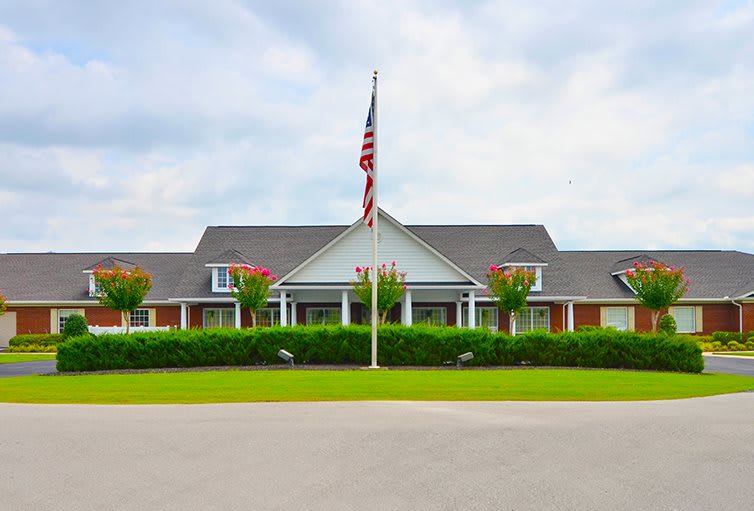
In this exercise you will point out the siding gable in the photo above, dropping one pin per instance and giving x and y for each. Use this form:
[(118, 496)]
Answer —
[(337, 263)]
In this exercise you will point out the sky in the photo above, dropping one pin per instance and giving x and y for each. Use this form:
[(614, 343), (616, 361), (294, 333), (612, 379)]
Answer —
[(131, 126)]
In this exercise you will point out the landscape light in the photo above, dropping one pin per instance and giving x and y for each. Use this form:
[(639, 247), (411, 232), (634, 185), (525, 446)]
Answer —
[(465, 357), (286, 356)]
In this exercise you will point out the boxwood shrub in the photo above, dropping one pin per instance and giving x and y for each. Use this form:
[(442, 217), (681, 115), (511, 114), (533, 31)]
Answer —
[(35, 339), (398, 345)]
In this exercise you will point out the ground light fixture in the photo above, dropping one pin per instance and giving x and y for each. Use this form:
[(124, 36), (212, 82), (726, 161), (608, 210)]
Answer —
[(464, 357), (286, 356)]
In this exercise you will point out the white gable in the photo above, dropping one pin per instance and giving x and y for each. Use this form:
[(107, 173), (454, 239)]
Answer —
[(337, 263)]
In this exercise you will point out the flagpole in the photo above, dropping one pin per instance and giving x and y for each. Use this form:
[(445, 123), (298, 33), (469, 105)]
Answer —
[(375, 215)]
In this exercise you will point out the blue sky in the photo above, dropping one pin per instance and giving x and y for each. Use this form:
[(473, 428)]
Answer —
[(132, 126)]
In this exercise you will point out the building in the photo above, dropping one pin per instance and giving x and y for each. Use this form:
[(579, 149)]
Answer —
[(446, 266)]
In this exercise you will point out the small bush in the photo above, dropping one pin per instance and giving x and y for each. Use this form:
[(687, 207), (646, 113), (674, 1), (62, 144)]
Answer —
[(734, 346), (418, 345), (75, 325), (33, 348), (726, 337), (717, 346), (750, 345), (37, 339), (667, 325)]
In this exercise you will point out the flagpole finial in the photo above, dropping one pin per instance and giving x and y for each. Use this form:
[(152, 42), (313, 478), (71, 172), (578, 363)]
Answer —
[(375, 72)]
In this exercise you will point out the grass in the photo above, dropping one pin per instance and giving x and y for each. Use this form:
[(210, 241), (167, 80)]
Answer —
[(14, 358), (429, 385), (739, 353)]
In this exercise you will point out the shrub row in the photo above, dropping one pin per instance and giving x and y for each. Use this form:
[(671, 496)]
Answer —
[(398, 345), (35, 340)]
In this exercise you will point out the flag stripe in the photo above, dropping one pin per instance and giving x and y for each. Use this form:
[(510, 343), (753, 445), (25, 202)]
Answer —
[(366, 163)]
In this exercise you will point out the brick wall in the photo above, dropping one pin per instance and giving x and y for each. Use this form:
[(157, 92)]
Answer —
[(716, 316)]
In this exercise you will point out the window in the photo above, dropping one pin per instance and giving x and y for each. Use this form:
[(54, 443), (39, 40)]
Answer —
[(221, 279), (685, 319), (219, 318), (430, 315), (140, 317), (323, 316), (537, 270), (617, 317), (268, 316), (63, 316), (486, 317), (533, 318), (95, 289)]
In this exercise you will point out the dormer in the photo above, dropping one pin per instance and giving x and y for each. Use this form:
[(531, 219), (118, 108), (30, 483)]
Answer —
[(620, 268), (220, 266), (522, 258), (106, 264)]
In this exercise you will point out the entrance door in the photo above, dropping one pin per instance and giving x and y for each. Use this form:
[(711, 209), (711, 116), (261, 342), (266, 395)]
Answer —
[(7, 328)]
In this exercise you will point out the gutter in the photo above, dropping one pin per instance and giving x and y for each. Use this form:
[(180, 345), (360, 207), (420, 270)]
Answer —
[(740, 317)]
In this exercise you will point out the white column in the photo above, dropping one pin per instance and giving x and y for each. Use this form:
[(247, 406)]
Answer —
[(472, 309), (408, 317), (283, 310), (293, 313), (459, 314), (569, 307), (184, 316), (238, 315), (345, 309)]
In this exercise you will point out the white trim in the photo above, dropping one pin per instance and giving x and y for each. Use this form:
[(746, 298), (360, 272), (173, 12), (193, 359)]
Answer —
[(401, 228), (520, 264), (339, 287), (93, 302)]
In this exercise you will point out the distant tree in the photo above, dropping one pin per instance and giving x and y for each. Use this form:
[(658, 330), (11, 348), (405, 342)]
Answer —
[(122, 290), (2, 304), (508, 288), (657, 286), (251, 287), (391, 284)]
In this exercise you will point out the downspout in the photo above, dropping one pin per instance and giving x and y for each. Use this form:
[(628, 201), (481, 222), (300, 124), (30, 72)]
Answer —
[(740, 318)]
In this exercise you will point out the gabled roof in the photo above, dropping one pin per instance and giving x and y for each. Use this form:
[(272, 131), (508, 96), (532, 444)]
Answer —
[(109, 263), (628, 263), (521, 255), (228, 257)]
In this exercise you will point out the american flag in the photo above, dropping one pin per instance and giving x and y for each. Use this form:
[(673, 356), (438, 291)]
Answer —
[(366, 162)]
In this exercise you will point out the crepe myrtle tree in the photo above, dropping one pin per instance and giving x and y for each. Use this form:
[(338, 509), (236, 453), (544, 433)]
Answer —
[(508, 288), (251, 287), (391, 284), (122, 290), (2, 303), (657, 286)]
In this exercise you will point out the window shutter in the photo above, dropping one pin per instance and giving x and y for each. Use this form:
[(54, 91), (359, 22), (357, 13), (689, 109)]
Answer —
[(152, 317), (631, 319), (82, 312), (53, 321), (603, 316), (671, 311), (698, 312)]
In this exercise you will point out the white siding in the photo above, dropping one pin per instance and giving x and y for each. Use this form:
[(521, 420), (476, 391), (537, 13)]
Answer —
[(338, 262)]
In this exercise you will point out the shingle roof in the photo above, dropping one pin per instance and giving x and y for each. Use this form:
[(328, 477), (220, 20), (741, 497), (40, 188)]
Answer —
[(230, 256), (61, 277), (521, 255), (109, 263)]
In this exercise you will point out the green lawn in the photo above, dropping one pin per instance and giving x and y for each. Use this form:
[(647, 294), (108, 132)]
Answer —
[(430, 385), (739, 353), (12, 358)]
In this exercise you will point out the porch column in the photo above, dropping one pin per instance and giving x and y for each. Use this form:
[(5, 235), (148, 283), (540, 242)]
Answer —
[(238, 315), (293, 313), (459, 314), (472, 309), (345, 308), (569, 308), (184, 316), (408, 317), (283, 310)]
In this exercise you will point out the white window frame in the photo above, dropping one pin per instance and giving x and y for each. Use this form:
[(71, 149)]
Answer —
[(141, 312), (62, 319), (274, 315), (443, 315), (478, 314), (693, 318), (615, 324), (94, 289), (537, 269), (220, 323), (334, 312), (530, 326), (216, 288)]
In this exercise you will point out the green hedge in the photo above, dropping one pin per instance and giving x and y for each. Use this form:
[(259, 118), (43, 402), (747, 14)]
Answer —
[(35, 339), (398, 345)]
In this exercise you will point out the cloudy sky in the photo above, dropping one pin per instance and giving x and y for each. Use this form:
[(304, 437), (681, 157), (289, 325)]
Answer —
[(133, 125)]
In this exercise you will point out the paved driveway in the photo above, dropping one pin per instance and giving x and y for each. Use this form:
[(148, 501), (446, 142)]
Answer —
[(730, 365), (687, 454), (27, 368)]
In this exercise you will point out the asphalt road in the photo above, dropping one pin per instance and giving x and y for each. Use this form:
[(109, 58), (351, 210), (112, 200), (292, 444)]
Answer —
[(27, 368), (729, 365), (685, 454)]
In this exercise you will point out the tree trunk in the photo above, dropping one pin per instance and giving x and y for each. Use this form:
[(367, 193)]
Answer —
[(127, 320), (253, 318), (512, 325), (384, 317), (655, 317)]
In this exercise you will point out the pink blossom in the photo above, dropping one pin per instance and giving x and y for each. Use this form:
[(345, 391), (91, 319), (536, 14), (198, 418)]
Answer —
[(265, 271), (404, 286), (384, 265), (273, 277), (526, 283), (629, 274), (636, 264), (393, 263), (358, 269), (493, 267)]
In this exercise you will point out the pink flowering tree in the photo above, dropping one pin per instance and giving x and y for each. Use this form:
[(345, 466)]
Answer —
[(509, 288), (122, 290), (391, 284), (657, 286), (251, 287)]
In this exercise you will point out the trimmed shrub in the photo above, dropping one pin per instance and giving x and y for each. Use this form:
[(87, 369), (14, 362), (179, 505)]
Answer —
[(418, 345), (726, 337), (35, 339), (75, 326), (32, 348), (667, 325), (750, 345)]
